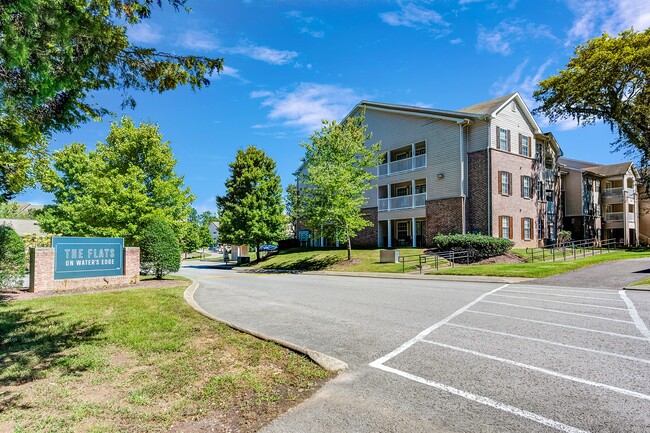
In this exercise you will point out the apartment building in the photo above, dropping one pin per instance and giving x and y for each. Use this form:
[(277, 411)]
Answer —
[(600, 201), (487, 168)]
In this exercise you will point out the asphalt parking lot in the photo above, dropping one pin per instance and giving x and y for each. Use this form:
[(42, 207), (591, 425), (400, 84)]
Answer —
[(429, 356)]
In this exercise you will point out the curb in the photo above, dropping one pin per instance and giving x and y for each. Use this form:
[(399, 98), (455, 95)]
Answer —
[(644, 288), (325, 361)]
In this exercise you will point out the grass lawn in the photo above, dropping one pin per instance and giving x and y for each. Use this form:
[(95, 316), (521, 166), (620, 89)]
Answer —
[(335, 260), (139, 361), (540, 269), (642, 282)]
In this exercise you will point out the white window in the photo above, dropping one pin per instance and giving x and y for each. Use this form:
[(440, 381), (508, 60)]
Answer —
[(401, 191), (419, 189), (402, 230), (526, 228), (525, 186), (505, 183), (525, 145), (505, 227), (503, 139)]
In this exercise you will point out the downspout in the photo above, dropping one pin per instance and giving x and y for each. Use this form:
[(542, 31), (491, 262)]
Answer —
[(489, 182), (463, 197)]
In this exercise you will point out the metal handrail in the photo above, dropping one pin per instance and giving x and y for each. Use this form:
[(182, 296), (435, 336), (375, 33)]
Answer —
[(572, 249), (437, 258)]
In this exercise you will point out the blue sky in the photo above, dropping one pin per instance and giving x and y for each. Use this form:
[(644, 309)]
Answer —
[(289, 64)]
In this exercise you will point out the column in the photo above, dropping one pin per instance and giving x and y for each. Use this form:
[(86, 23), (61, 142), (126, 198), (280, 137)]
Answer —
[(388, 188), (414, 232), (390, 233), (379, 244), (388, 162), (412, 192)]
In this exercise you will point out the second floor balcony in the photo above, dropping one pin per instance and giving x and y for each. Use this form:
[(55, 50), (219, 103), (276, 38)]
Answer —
[(403, 159), (404, 202), (404, 195)]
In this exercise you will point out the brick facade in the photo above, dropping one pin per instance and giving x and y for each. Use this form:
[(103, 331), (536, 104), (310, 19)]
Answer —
[(367, 238), (477, 193), (444, 216), (41, 276)]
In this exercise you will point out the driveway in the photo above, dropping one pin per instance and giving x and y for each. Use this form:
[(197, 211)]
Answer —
[(610, 275), (428, 355)]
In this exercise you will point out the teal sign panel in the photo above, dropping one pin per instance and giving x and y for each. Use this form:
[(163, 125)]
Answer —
[(87, 257)]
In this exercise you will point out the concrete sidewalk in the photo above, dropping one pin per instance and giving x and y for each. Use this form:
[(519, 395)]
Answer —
[(608, 275)]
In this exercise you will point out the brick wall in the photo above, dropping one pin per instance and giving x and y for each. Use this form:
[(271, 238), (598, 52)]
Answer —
[(367, 238), (477, 192), (444, 216), (42, 272)]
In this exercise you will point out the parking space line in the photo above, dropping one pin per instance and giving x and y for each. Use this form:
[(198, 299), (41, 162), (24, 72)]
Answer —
[(640, 325), (616, 389), (566, 289), (559, 311), (563, 296), (613, 334), (560, 302), (376, 363), (484, 400), (554, 343)]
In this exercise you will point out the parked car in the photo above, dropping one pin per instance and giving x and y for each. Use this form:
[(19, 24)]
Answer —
[(268, 247)]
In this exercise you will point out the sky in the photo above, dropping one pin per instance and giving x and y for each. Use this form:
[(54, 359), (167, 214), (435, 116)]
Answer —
[(290, 64)]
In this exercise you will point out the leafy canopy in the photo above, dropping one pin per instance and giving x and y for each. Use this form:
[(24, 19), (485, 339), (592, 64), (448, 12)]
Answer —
[(251, 212), (55, 53), (606, 80), (111, 190), (160, 252), (12, 258), (336, 174)]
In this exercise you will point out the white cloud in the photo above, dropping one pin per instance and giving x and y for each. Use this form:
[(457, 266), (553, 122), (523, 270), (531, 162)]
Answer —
[(308, 104), (233, 73), (198, 40), (308, 25), (260, 94), (145, 33), (593, 17), (456, 41), (500, 39), (265, 54), (411, 14), (525, 85)]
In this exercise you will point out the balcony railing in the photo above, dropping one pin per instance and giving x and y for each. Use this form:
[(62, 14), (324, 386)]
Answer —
[(612, 192), (613, 216), (630, 217), (402, 202), (402, 165)]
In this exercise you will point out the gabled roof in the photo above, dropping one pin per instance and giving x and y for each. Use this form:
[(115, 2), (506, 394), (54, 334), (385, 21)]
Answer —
[(492, 107), (22, 227), (408, 109), (611, 169)]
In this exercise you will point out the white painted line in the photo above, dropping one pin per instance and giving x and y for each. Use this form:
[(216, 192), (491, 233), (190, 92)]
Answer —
[(561, 302), (554, 343), (613, 334), (376, 363), (565, 289), (616, 389), (485, 401), (559, 311), (635, 315), (563, 296)]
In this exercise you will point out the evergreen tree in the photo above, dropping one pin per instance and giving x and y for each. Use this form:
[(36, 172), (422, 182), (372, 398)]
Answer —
[(251, 212), (160, 252), (12, 258)]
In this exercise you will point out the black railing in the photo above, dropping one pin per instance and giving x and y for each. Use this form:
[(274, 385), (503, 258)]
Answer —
[(436, 259), (571, 249)]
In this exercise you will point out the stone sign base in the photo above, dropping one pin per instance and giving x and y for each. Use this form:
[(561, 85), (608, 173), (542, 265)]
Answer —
[(41, 272)]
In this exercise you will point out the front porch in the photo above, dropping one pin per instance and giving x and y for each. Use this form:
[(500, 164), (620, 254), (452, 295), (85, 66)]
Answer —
[(404, 232)]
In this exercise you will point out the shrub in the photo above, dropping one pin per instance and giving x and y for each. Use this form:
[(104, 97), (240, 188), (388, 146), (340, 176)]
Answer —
[(481, 246), (160, 252), (12, 258)]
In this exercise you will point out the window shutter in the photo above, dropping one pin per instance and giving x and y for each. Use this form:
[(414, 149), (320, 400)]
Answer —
[(500, 183), (520, 140), (530, 146), (508, 135), (497, 143), (521, 185), (522, 228), (510, 227), (510, 186)]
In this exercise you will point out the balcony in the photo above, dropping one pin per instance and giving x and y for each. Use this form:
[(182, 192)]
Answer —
[(402, 165), (403, 202), (612, 192), (614, 216)]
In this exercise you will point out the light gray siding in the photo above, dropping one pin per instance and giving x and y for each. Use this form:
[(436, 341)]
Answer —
[(573, 189), (516, 123), (478, 136)]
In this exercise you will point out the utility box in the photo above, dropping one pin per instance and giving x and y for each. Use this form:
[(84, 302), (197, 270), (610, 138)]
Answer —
[(388, 256), (243, 260)]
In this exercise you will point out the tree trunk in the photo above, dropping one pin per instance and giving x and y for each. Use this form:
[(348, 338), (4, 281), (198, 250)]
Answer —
[(257, 251), (347, 235)]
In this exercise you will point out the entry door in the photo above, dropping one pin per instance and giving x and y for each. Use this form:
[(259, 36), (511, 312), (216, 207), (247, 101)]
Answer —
[(420, 230)]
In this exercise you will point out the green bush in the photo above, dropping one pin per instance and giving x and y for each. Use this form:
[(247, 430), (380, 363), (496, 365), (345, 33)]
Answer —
[(160, 252), (481, 246), (12, 258)]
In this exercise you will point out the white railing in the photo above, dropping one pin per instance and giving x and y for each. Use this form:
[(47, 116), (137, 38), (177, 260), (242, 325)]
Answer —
[(613, 216), (630, 192), (407, 164), (612, 192), (402, 202), (630, 217)]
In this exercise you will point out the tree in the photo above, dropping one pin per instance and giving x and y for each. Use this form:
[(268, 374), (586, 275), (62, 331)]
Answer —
[(111, 190), (251, 212), (55, 53), (189, 239), (12, 258), (336, 176), (160, 252), (606, 80), (292, 206)]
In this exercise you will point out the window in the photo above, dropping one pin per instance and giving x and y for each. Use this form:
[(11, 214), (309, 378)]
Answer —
[(524, 145), (540, 228), (503, 136), (526, 224), (538, 152), (401, 191), (420, 148), (402, 230), (402, 155), (420, 189), (505, 183), (506, 227), (525, 186), (540, 190)]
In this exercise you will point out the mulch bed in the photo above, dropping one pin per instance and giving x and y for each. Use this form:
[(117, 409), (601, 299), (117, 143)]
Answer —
[(21, 294)]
